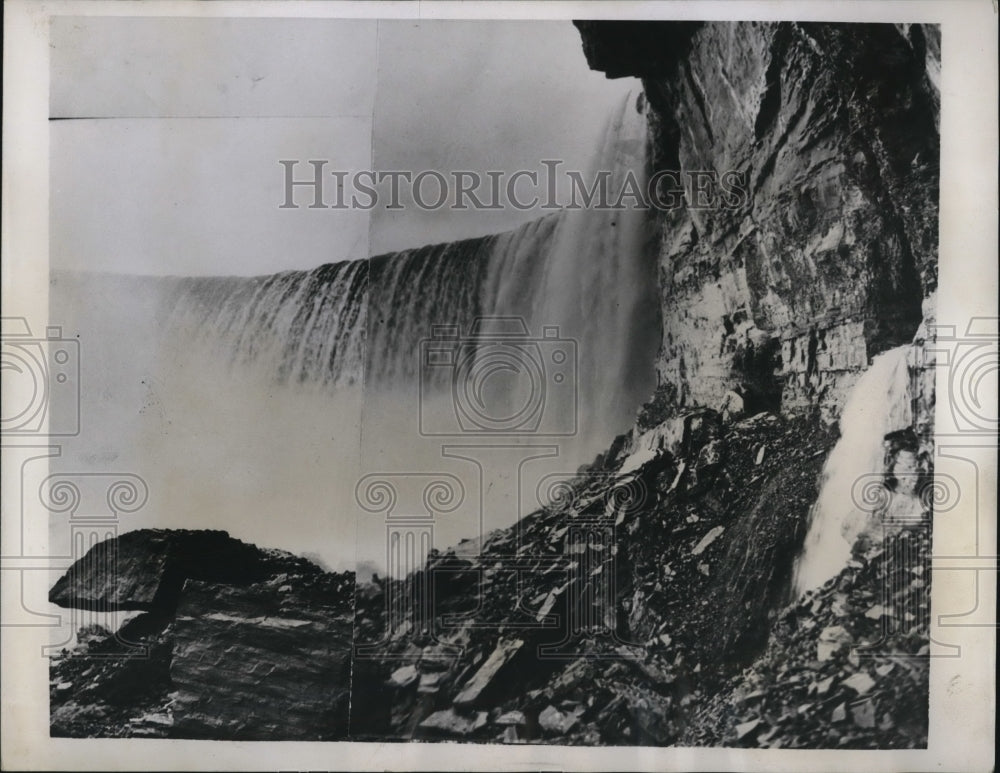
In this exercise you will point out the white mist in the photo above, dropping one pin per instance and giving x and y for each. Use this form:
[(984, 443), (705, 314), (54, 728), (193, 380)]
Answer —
[(879, 403)]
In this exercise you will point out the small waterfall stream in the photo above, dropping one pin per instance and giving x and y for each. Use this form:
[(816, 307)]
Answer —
[(878, 404)]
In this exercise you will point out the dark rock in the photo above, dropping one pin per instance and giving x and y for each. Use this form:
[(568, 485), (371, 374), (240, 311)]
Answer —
[(240, 643), (821, 257), (145, 569), (473, 690), (642, 48), (258, 663)]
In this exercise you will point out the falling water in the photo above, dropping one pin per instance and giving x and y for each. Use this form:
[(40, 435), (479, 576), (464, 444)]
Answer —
[(879, 403), (300, 326), (587, 272), (251, 400)]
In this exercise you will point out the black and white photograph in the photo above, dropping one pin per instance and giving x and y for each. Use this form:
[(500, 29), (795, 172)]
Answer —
[(425, 381)]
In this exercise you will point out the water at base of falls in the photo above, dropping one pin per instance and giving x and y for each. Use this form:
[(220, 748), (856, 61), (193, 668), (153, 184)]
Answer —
[(257, 404), (879, 403)]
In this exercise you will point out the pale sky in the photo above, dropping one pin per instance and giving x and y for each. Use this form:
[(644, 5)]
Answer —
[(165, 155)]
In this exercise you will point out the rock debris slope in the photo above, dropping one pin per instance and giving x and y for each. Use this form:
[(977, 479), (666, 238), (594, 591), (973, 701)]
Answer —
[(233, 642), (650, 602)]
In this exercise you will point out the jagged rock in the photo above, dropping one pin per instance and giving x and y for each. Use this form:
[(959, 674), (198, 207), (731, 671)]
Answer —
[(663, 440), (404, 676), (710, 458), (620, 48), (152, 725), (511, 718), (145, 569), (66, 719), (650, 717), (449, 722), (863, 714), (830, 640), (430, 684), (765, 293), (746, 728), (555, 722), (711, 536), (487, 673), (732, 407), (253, 663), (861, 683), (832, 692), (547, 605), (253, 643), (436, 658)]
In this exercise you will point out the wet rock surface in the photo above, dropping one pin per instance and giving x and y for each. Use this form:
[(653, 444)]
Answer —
[(649, 603), (648, 607), (847, 665), (549, 637), (248, 644), (817, 257), (146, 569)]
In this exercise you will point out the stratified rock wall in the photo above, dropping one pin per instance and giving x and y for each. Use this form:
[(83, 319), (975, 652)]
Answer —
[(789, 288), (235, 642), (263, 662)]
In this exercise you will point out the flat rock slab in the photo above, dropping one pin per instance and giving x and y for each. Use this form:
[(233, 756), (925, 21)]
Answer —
[(450, 722), (255, 663), (146, 569), (556, 722), (484, 677), (708, 539)]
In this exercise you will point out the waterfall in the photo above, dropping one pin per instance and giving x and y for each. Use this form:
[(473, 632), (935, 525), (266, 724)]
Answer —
[(295, 326), (879, 403), (588, 273), (246, 401)]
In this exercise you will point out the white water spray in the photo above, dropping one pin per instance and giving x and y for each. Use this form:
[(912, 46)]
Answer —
[(878, 404), (255, 404)]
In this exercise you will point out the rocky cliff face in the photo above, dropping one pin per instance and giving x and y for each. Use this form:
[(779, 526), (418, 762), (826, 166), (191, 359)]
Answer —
[(629, 609), (649, 605), (788, 289), (234, 642), (650, 602)]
